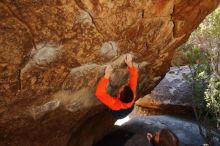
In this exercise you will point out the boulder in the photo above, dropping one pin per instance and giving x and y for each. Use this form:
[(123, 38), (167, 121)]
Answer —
[(53, 53), (134, 131), (173, 95)]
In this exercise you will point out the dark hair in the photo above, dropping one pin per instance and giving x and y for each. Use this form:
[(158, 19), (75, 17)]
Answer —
[(166, 138), (126, 95)]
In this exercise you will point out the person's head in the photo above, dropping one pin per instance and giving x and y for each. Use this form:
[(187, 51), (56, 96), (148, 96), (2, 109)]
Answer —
[(165, 137), (125, 94)]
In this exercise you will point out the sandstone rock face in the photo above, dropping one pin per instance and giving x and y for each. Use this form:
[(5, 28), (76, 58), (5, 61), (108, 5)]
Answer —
[(53, 53)]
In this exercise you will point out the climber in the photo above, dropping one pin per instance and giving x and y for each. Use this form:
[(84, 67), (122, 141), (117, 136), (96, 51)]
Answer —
[(164, 137), (123, 103)]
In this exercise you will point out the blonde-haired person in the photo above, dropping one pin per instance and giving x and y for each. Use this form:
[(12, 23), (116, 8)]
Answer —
[(164, 137)]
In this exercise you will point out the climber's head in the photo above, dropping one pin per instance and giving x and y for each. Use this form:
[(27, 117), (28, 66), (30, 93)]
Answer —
[(165, 137), (125, 94)]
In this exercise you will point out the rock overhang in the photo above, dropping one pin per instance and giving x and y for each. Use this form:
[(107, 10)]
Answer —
[(53, 53)]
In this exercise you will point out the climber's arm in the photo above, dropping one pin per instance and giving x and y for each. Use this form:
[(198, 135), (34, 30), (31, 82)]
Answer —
[(133, 73), (104, 97), (133, 78)]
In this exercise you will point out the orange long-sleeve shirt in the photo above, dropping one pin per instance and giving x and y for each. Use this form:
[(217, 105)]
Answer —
[(113, 102)]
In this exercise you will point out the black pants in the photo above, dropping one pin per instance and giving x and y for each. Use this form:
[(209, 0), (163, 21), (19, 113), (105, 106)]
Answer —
[(120, 114)]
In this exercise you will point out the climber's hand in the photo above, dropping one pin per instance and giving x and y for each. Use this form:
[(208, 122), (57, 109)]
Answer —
[(108, 71), (128, 60)]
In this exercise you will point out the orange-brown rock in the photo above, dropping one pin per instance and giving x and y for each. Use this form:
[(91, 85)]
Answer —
[(53, 53)]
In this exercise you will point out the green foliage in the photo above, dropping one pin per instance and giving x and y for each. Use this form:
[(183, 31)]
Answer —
[(211, 24), (203, 57), (205, 87), (201, 70), (208, 32), (212, 98), (212, 94)]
